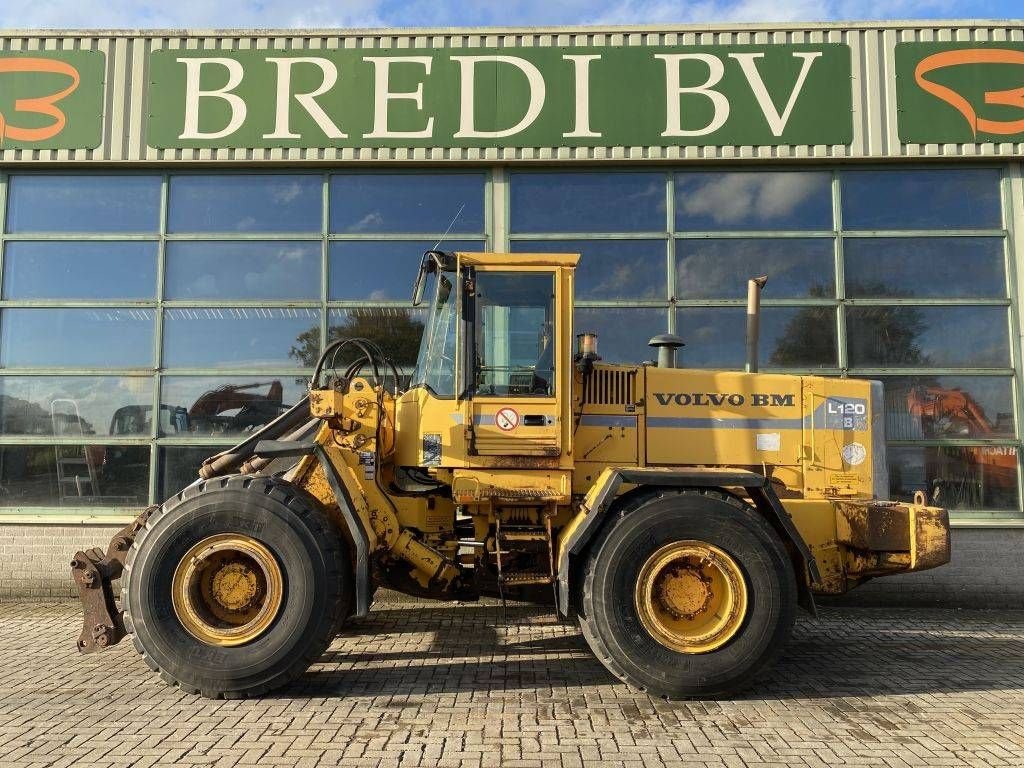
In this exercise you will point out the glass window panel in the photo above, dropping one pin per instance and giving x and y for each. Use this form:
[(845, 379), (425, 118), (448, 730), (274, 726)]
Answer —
[(76, 338), (611, 269), (631, 201), (422, 202), (397, 330), (791, 337), (982, 477), (622, 334), (965, 198), (955, 407), (74, 475), (235, 337), (925, 267), (909, 336), (378, 270), (83, 203), (246, 203), (215, 405), (744, 200), (79, 270), (719, 269), (243, 270), (179, 467), (72, 406)]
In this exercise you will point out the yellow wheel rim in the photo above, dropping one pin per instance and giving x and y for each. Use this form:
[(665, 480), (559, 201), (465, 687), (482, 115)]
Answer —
[(227, 589), (691, 597)]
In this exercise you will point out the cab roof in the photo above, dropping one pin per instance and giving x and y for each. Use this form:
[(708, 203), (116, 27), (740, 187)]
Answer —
[(476, 258)]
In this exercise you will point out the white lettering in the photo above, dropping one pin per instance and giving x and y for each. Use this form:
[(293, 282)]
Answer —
[(282, 120), (467, 114), (581, 124), (193, 93), (776, 122), (673, 91), (384, 95)]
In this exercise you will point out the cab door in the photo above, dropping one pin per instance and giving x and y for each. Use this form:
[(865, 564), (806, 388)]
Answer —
[(516, 392)]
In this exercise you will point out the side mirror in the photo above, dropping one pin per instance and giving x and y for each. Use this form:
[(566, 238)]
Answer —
[(426, 266)]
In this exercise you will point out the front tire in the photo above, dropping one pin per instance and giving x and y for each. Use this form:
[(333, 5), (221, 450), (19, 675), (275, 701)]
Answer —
[(236, 586), (688, 594)]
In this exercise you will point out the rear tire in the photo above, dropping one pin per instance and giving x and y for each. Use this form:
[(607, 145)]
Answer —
[(619, 563), (311, 587)]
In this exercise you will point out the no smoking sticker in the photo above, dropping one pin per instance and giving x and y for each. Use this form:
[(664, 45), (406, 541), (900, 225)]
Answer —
[(507, 419)]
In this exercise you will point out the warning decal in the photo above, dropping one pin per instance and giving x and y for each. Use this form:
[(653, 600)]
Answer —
[(507, 419)]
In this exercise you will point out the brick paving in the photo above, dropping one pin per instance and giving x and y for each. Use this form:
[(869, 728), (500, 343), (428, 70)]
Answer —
[(458, 686)]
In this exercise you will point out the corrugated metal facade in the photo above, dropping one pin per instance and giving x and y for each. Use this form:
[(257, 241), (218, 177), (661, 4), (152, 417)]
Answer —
[(874, 94)]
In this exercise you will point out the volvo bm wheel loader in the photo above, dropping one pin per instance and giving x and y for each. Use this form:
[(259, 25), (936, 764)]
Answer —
[(679, 516)]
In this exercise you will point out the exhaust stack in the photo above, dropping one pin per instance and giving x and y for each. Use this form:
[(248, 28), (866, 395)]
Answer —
[(666, 344), (754, 288)]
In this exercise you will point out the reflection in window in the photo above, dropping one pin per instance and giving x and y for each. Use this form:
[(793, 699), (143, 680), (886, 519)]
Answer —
[(961, 477), (398, 202), (965, 198), (744, 200), (719, 269), (75, 406), (956, 407), (234, 337), (215, 406), (630, 201), (179, 467), (611, 269), (74, 475), (397, 330), (911, 336), (83, 203), (82, 338), (377, 270), (791, 337), (622, 334), (245, 203), (243, 270), (965, 267), (515, 334), (79, 270)]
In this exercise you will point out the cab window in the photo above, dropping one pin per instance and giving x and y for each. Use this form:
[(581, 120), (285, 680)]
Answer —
[(515, 334)]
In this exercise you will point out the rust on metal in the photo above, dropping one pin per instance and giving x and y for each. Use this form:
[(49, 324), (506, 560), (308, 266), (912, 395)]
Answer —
[(93, 571)]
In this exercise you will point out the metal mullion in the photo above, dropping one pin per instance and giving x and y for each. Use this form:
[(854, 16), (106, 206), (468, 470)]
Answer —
[(48, 440), (241, 236), (764, 302), (760, 234), (670, 247), (927, 302), (325, 256), (627, 303), (57, 371), (840, 276), (158, 339), (3, 226), (77, 304), (76, 237), (405, 236), (236, 372), (866, 371), (910, 233), (588, 236), (495, 222), (357, 303), (198, 441), (240, 304)]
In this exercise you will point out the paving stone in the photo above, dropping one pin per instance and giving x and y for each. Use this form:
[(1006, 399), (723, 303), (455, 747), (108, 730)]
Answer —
[(434, 685)]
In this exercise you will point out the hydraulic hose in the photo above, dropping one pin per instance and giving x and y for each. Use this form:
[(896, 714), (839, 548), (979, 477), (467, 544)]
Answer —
[(228, 461)]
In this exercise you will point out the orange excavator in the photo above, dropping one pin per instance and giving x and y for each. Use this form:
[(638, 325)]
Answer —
[(953, 413), (253, 409)]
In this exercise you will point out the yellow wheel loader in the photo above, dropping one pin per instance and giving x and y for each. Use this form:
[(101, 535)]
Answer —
[(680, 516)]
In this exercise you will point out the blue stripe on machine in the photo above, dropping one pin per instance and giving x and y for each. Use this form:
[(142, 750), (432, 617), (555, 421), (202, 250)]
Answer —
[(672, 422), (607, 420)]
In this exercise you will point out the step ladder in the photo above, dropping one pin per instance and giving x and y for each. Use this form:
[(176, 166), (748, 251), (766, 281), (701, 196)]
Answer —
[(509, 539)]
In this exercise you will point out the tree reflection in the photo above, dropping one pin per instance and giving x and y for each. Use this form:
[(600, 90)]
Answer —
[(395, 329)]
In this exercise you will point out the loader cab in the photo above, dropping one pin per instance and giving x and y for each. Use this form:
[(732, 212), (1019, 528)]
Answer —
[(492, 377)]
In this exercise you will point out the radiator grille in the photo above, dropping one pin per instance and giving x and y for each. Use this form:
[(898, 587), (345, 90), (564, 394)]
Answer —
[(610, 386)]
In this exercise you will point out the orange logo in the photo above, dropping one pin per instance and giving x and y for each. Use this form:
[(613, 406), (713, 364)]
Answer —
[(41, 105), (1013, 97)]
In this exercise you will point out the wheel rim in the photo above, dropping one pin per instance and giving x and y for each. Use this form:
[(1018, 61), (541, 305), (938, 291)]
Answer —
[(691, 597), (227, 589)]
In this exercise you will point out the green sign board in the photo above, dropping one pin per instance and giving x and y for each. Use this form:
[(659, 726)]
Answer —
[(502, 97), (960, 92), (51, 99)]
